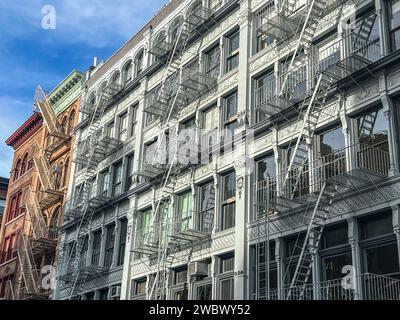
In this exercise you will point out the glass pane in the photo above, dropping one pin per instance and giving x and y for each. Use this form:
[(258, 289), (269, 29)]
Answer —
[(266, 168), (204, 292), (382, 260), (332, 266), (331, 141), (234, 42), (229, 183), (373, 129), (377, 227), (335, 237), (226, 289)]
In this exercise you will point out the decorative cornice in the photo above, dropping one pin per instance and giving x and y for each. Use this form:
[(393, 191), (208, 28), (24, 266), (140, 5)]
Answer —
[(25, 131)]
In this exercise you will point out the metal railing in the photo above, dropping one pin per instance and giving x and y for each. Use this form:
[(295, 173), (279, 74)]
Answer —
[(311, 176), (373, 287), (300, 80), (201, 222)]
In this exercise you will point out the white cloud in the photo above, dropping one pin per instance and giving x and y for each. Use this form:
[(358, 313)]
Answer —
[(97, 23)]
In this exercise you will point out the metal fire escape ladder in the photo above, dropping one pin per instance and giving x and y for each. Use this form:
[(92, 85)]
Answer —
[(40, 101), (28, 269), (311, 242), (43, 166), (87, 215), (38, 223), (314, 105), (310, 24)]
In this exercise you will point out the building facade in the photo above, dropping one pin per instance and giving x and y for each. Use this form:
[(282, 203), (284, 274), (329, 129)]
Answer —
[(3, 196), (38, 187), (306, 203)]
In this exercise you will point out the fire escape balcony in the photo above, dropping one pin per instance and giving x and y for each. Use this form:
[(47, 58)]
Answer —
[(271, 98), (189, 227), (101, 148), (149, 239), (43, 239), (160, 47), (346, 170)]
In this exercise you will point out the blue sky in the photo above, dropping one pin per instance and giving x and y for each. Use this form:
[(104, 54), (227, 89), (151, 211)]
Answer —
[(30, 55)]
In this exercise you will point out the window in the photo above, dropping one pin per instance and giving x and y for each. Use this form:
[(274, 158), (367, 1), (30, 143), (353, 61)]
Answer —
[(264, 91), (227, 264), (127, 72), (109, 248), (15, 209), (96, 248), (232, 54), (24, 164), (17, 169), (331, 141), (210, 128), (64, 124), (133, 113), (110, 130), (228, 201), (117, 181), (262, 40), (175, 28), (150, 152), (71, 123), (226, 289), (333, 237), (395, 24), (204, 292), (265, 168), (373, 129), (122, 241), (103, 294), (65, 176), (184, 218), (180, 276), (207, 207), (115, 77), (139, 63), (129, 172), (229, 114), (104, 182), (123, 127), (379, 225), (212, 62), (139, 287)]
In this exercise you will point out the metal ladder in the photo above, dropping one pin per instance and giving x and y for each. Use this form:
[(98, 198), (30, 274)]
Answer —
[(312, 239), (367, 124), (313, 108), (27, 264)]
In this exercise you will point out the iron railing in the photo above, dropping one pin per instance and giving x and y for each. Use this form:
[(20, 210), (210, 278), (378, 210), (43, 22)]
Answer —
[(190, 221), (373, 287), (310, 177)]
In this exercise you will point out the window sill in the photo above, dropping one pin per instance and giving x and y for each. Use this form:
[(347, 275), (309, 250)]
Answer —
[(229, 74), (14, 219)]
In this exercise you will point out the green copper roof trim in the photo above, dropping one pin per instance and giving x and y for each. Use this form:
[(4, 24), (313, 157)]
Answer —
[(66, 92)]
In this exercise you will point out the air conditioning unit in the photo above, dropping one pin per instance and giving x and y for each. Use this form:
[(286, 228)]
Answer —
[(198, 269), (115, 292)]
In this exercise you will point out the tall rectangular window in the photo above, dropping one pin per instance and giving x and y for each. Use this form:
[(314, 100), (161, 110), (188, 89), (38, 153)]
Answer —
[(110, 130), (122, 241), (123, 127), (264, 91), (129, 172), (228, 200), (117, 181), (230, 113), (207, 207), (212, 62), (96, 246), (104, 182), (110, 240), (133, 120), (232, 53), (260, 17), (184, 217)]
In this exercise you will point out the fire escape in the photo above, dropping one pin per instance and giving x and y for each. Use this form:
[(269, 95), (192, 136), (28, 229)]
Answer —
[(181, 85), (310, 187), (43, 239), (76, 268)]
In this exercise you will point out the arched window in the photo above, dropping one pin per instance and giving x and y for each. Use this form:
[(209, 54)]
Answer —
[(159, 45), (66, 168), (24, 164), (115, 77), (174, 29), (127, 72), (92, 99), (17, 169), (103, 85), (53, 227), (139, 63), (71, 122), (57, 169), (195, 14), (64, 124)]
